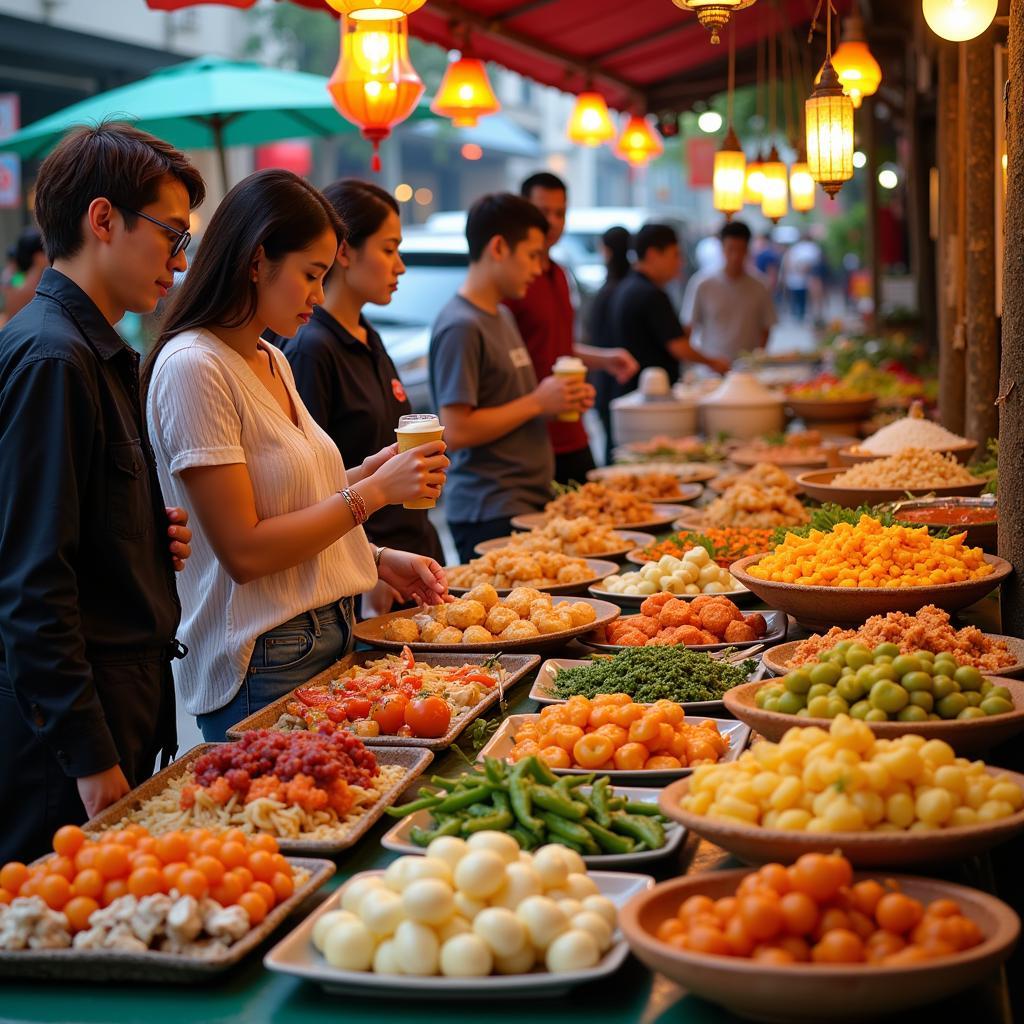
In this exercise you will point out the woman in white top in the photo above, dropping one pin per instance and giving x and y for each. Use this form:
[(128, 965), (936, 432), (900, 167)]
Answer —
[(278, 549)]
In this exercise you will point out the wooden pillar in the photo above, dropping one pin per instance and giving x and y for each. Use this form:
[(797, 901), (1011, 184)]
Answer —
[(920, 158), (1011, 383), (981, 416), (951, 348)]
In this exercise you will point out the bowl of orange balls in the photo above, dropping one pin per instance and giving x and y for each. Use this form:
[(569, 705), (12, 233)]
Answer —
[(815, 941), (615, 736), (856, 570), (128, 906)]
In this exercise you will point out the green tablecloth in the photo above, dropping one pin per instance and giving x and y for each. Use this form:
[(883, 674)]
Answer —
[(249, 994)]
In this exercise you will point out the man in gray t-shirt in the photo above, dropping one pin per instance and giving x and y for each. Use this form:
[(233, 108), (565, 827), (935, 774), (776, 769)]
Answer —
[(484, 386), (729, 311)]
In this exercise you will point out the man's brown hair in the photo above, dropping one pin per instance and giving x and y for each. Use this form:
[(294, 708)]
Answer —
[(110, 160)]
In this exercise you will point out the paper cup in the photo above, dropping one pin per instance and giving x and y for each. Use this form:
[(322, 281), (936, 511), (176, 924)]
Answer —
[(413, 438), (581, 376)]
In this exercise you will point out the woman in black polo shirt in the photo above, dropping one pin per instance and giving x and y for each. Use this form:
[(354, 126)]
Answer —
[(342, 371)]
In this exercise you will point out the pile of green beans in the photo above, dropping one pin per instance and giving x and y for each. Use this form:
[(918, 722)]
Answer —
[(529, 802)]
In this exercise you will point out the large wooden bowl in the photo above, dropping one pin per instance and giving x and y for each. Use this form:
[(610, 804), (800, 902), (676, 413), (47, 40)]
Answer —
[(970, 736), (814, 993), (820, 608), (757, 845), (818, 484), (850, 456), (829, 410), (775, 658)]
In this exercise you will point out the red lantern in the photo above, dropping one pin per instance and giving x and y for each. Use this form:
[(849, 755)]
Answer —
[(374, 84), (465, 94), (639, 142)]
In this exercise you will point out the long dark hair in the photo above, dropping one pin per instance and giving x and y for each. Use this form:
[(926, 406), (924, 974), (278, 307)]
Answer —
[(617, 241), (273, 208)]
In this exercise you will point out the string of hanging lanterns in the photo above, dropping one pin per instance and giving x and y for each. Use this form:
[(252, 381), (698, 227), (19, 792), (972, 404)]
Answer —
[(775, 184), (753, 183)]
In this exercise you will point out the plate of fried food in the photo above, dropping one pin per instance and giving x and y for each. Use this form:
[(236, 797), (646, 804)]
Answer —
[(508, 568), (580, 537), (650, 484), (749, 503), (526, 619), (706, 623), (762, 474), (687, 472), (604, 505), (312, 792)]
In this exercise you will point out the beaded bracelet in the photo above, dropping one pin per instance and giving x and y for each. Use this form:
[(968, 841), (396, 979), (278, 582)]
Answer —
[(356, 505)]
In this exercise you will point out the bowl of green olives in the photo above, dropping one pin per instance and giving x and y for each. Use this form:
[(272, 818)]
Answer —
[(924, 693)]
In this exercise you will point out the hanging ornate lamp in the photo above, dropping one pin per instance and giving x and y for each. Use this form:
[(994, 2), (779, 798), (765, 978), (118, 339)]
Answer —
[(802, 192), (774, 187), (730, 161), (393, 8), (374, 84), (829, 119), (465, 94), (855, 65), (590, 124), (753, 182), (959, 20), (713, 14), (639, 142)]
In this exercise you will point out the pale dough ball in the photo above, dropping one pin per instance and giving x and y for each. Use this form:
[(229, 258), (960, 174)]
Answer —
[(519, 963), (349, 946), (504, 933), (466, 956), (551, 867), (480, 874), (603, 906), (573, 950), (450, 849), (327, 922), (543, 919), (381, 911), (354, 890), (500, 843), (592, 922), (579, 886), (429, 901), (520, 881), (416, 948)]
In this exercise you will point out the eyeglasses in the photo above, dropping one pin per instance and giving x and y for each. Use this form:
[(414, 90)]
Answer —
[(181, 238)]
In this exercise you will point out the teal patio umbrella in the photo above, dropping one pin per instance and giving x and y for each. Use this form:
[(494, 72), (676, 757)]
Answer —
[(206, 103)]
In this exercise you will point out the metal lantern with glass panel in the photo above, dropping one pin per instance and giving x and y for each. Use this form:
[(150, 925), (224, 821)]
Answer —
[(774, 187), (829, 114), (713, 14)]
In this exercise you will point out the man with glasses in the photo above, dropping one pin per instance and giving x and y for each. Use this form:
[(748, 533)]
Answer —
[(88, 604)]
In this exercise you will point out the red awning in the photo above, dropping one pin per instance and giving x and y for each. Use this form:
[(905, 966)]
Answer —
[(648, 53)]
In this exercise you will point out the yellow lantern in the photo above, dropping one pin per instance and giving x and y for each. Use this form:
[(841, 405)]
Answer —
[(829, 132), (639, 142), (362, 8), (801, 185), (753, 183), (774, 188), (590, 124), (959, 20), (729, 176), (465, 94), (374, 84), (855, 65), (713, 14)]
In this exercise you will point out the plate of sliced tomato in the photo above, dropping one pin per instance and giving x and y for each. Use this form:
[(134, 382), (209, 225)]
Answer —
[(395, 699)]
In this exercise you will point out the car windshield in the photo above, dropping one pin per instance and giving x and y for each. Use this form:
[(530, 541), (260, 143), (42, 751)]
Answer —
[(433, 278)]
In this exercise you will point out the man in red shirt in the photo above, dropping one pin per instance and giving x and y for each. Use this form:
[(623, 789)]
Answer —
[(545, 320)]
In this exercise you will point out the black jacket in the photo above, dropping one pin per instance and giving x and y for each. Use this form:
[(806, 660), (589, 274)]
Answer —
[(86, 580)]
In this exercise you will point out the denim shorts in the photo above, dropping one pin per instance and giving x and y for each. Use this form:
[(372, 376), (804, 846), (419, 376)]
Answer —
[(283, 658)]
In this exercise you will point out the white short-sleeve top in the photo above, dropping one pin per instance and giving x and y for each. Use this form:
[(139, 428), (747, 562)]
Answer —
[(206, 407)]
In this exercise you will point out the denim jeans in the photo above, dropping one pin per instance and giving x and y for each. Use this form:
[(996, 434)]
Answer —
[(283, 658)]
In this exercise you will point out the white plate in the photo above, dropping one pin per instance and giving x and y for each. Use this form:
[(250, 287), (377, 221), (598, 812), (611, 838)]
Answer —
[(501, 743), (397, 837), (296, 955), (541, 693)]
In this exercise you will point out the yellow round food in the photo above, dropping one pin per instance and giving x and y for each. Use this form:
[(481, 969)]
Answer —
[(847, 780), (871, 555)]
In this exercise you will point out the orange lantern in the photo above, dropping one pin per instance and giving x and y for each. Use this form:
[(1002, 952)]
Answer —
[(465, 94), (802, 192), (639, 142), (753, 183), (855, 64), (829, 118), (360, 8), (374, 84), (774, 187), (590, 124)]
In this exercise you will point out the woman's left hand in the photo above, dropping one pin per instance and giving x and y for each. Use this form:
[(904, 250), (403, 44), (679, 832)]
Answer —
[(415, 577)]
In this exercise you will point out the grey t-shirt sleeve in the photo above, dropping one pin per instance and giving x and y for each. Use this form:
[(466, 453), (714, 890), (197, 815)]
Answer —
[(455, 365)]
